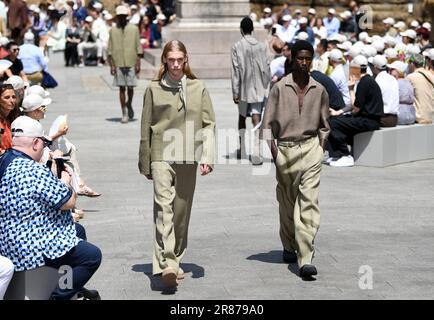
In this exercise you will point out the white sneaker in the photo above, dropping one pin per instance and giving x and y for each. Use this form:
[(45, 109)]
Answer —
[(345, 161), (100, 65), (81, 65), (329, 159)]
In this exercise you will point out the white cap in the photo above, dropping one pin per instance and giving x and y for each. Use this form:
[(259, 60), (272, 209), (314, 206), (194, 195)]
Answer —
[(346, 45), (334, 37), (286, 17), (16, 81), (268, 21), (302, 20), (389, 40), (363, 36), (336, 55), (4, 65), (267, 10), (398, 65), (409, 33), (368, 40), (400, 25), (378, 45), (121, 10), (4, 41), (311, 11), (427, 26), (359, 61), (253, 16), (342, 38), (34, 101), (346, 14), (302, 36), (379, 61), (354, 51), (389, 20), (413, 49), (368, 51), (429, 53), (32, 7), (391, 53), (98, 5), (29, 36), (37, 89), (108, 16), (414, 24), (332, 11), (133, 7), (24, 126), (88, 19), (359, 44), (297, 11), (37, 10), (51, 7)]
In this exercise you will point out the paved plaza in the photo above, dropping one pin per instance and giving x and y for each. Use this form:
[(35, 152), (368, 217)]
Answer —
[(375, 222)]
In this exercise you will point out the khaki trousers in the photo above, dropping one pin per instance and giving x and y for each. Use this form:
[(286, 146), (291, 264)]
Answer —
[(298, 168), (35, 78), (174, 186)]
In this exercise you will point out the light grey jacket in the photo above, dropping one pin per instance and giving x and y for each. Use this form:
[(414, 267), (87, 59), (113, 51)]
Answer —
[(250, 70)]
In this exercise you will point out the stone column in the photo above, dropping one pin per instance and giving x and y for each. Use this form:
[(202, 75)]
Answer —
[(209, 28)]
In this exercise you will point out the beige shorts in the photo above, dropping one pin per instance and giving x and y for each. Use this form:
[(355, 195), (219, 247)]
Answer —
[(125, 77)]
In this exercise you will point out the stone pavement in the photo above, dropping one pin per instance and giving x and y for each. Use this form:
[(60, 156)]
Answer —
[(372, 219)]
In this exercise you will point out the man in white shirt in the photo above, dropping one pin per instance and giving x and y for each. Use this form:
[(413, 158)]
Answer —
[(389, 90), (286, 32), (338, 76), (321, 61)]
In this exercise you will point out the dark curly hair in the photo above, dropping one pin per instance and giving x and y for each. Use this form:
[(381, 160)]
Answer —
[(15, 113)]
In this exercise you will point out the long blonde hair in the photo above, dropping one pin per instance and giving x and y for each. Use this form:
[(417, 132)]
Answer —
[(175, 45)]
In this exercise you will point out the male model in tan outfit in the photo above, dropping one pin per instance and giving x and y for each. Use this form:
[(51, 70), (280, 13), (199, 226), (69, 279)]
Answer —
[(297, 115)]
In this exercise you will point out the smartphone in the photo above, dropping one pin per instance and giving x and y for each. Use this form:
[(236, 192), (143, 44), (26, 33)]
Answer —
[(273, 31)]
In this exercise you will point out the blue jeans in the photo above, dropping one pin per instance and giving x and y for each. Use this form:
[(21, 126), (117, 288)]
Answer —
[(84, 259)]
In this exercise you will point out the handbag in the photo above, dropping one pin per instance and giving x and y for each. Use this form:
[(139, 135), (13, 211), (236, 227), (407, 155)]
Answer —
[(48, 81)]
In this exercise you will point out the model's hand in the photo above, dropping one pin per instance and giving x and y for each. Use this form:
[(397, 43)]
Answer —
[(112, 70), (236, 100), (137, 68), (148, 176), (205, 169)]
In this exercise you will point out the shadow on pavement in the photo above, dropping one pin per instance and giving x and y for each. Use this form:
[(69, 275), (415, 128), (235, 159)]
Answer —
[(119, 119), (156, 282), (274, 256)]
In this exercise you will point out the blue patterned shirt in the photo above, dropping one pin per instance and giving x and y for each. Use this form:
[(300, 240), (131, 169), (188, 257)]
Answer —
[(32, 226)]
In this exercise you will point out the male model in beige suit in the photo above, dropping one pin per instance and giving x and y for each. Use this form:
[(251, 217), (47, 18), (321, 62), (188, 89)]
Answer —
[(177, 133)]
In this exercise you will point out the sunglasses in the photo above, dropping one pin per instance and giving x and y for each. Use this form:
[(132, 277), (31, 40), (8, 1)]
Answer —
[(16, 49), (42, 109), (46, 142)]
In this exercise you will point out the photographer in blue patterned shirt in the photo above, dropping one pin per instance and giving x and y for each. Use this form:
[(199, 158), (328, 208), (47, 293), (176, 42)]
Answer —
[(36, 226)]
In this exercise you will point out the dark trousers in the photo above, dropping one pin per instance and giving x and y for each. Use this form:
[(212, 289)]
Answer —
[(71, 54), (343, 129), (84, 259)]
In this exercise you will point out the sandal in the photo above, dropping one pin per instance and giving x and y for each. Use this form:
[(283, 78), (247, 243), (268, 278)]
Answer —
[(88, 192)]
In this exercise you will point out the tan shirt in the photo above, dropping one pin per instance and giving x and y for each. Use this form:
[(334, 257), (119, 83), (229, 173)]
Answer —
[(423, 93), (294, 116), (172, 132), (124, 46)]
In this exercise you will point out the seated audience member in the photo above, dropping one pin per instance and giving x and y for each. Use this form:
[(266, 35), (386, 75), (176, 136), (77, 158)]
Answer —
[(422, 81), (389, 90), (338, 76), (3, 52), (365, 116), (336, 102), (321, 60), (406, 111), (17, 65), (44, 212), (19, 87), (9, 111), (57, 34), (89, 41), (33, 59), (6, 274)]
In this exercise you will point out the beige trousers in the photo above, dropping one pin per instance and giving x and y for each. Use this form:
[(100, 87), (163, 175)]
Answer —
[(174, 186), (298, 168)]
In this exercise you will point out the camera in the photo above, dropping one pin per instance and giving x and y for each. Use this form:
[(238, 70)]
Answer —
[(60, 165)]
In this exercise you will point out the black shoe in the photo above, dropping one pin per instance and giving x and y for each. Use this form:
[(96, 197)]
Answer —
[(130, 111), (308, 270), (87, 294), (289, 256)]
